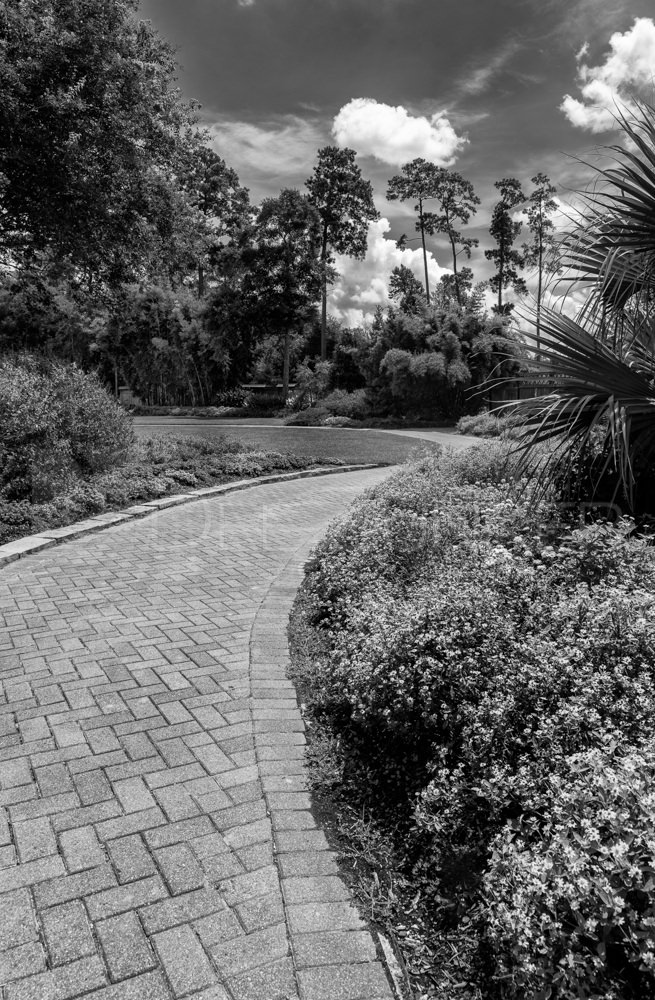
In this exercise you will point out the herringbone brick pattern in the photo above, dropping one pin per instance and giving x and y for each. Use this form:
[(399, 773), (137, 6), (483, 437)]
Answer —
[(155, 839)]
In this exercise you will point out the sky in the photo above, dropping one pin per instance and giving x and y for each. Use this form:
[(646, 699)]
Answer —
[(490, 88)]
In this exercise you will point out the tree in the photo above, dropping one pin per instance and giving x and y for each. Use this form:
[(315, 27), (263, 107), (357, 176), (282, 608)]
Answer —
[(418, 182), (600, 368), (407, 289), (454, 290), (214, 190), (344, 202), (541, 206), (428, 364), (93, 134), (505, 232), (458, 202), (286, 269)]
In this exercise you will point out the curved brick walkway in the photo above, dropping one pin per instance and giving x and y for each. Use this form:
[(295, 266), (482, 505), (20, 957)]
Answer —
[(155, 838)]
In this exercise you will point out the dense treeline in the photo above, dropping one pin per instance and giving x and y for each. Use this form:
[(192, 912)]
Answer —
[(130, 247)]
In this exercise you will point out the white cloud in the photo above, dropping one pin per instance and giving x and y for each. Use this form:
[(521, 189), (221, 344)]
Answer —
[(628, 70), (282, 147), (393, 135), (364, 284), (478, 79), (566, 216)]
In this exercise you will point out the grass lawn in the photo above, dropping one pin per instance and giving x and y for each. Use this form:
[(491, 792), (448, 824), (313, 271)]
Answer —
[(348, 444)]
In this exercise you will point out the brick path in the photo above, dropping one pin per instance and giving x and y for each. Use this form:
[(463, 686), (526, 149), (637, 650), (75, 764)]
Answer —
[(155, 838)]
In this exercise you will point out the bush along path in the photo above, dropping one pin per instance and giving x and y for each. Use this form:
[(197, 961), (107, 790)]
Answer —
[(155, 833), (68, 452), (479, 669)]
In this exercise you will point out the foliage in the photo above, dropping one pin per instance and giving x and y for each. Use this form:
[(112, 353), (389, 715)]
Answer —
[(599, 371), (156, 339), (257, 314), (539, 252), (54, 421), (214, 190), (472, 642), (153, 467), (457, 202), (598, 411), (344, 202), (431, 362), (610, 251), (40, 313), (337, 409), (569, 900), (505, 231), (488, 425), (312, 379), (93, 135), (418, 181), (407, 289), (346, 404), (313, 416)]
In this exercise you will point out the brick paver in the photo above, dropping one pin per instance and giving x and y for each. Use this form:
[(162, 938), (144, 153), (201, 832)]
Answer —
[(156, 840)]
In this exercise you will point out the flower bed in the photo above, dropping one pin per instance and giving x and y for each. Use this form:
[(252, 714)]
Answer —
[(470, 645)]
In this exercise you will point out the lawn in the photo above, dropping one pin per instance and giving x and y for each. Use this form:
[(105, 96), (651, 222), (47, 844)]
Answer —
[(348, 444)]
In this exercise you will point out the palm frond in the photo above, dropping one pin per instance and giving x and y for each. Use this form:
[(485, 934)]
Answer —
[(583, 388), (613, 247)]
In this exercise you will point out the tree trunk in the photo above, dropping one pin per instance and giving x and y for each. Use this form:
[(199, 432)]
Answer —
[(201, 281), (324, 297), (285, 367), (455, 274), (539, 281), (425, 253)]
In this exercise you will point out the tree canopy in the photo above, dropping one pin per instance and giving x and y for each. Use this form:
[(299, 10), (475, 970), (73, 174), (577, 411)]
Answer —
[(457, 202), (417, 182), (505, 231), (344, 202), (93, 134)]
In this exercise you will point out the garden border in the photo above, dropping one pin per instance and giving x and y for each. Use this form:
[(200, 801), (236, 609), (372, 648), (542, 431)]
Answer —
[(30, 544)]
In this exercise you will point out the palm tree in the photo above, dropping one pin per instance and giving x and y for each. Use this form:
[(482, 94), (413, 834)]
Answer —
[(599, 369)]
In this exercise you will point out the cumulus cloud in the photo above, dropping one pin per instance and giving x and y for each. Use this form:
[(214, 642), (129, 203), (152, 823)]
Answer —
[(628, 71), (393, 135), (364, 284)]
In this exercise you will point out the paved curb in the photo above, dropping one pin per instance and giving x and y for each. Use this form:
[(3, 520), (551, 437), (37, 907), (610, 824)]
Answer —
[(22, 547), (334, 953)]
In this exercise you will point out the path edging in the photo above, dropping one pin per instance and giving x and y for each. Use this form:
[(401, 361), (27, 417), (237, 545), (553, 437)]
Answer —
[(30, 544), (365, 968)]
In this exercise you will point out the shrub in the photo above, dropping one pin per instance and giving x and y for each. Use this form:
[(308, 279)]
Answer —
[(346, 404), (469, 654), (98, 429), (487, 425), (16, 520), (55, 423), (266, 402), (398, 533), (339, 422), (315, 416), (230, 398), (569, 897)]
